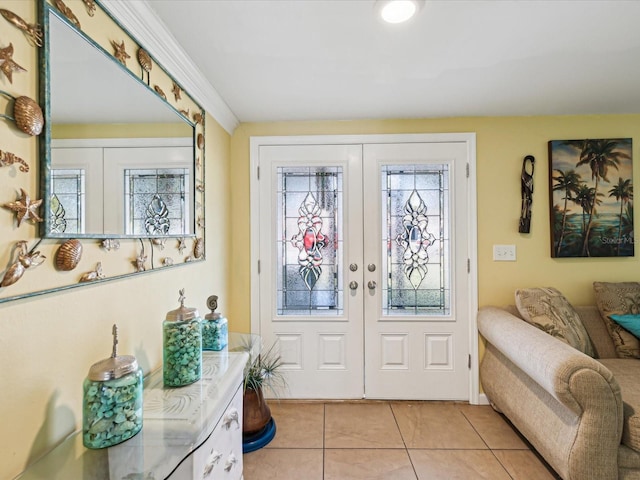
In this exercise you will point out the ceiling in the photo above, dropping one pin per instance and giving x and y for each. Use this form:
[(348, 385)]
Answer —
[(274, 60)]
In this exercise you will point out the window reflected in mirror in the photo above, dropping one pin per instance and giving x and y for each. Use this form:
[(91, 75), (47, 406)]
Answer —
[(102, 129)]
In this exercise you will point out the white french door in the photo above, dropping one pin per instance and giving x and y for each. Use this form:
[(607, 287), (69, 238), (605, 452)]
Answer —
[(364, 266)]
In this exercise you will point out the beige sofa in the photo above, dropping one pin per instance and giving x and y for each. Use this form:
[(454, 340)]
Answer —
[(578, 412)]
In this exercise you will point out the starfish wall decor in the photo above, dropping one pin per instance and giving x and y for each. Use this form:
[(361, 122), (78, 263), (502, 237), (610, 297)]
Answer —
[(177, 91), (120, 52), (25, 208), (8, 65)]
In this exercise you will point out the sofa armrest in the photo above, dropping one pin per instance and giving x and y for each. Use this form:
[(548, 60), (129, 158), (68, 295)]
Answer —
[(554, 365)]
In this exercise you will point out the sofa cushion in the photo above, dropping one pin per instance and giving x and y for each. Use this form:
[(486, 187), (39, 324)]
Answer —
[(621, 298), (630, 322), (551, 312), (626, 372)]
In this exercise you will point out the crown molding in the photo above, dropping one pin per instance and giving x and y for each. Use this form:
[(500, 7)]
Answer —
[(146, 27)]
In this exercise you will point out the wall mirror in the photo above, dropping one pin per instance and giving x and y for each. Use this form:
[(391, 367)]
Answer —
[(119, 159), (121, 155)]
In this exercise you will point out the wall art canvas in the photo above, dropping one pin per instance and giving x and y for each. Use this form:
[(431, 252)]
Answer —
[(591, 190)]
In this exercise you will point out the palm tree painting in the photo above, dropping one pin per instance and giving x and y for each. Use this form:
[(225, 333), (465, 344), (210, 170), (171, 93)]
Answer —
[(591, 189)]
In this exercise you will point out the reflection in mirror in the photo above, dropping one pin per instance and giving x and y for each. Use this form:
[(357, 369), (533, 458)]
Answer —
[(121, 161)]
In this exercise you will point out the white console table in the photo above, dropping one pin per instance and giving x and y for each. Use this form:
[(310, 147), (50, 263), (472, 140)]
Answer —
[(188, 433)]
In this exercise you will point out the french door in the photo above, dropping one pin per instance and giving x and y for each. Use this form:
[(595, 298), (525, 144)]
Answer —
[(364, 267)]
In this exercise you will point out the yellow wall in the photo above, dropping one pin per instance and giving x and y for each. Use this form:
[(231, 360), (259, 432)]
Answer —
[(48, 342), (121, 130), (502, 143)]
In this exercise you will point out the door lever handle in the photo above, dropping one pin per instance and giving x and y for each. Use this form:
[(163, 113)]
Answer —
[(372, 284), (353, 285)]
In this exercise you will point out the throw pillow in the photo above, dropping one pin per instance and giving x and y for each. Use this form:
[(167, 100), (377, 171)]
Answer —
[(620, 298), (551, 312), (630, 323)]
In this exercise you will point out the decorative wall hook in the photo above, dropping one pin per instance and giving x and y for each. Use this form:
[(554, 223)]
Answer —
[(526, 190), (33, 31), (8, 158)]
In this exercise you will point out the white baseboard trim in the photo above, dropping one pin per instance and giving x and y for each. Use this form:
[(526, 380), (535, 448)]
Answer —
[(483, 399)]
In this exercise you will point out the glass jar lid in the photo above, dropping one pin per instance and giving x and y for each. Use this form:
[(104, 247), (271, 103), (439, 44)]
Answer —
[(115, 366), (183, 313), (212, 304)]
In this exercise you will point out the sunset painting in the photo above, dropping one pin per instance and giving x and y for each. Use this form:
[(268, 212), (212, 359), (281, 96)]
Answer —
[(591, 189)]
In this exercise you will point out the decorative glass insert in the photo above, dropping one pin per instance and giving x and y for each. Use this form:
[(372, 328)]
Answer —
[(155, 201), (415, 243), (67, 200), (309, 243)]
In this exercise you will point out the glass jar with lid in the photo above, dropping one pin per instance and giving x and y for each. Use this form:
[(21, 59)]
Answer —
[(112, 402), (181, 346), (215, 330)]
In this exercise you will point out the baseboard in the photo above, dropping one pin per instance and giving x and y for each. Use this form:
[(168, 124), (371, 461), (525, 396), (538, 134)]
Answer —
[(483, 399)]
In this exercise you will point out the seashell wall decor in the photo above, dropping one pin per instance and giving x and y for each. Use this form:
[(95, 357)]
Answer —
[(144, 59), (68, 255), (198, 248), (27, 114)]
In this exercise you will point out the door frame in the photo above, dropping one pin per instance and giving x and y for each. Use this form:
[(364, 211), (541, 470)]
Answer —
[(469, 138)]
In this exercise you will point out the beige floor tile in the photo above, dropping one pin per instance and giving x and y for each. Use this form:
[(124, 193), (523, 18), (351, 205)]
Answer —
[(435, 425), (298, 425), (283, 464), (457, 465), (524, 465), (367, 464), (493, 428), (366, 425)]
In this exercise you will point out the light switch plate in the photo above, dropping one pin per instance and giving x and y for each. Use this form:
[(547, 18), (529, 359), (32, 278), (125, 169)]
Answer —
[(504, 253)]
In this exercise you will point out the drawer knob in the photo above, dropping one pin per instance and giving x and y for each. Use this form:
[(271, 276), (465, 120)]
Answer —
[(212, 461), (229, 418), (231, 461)]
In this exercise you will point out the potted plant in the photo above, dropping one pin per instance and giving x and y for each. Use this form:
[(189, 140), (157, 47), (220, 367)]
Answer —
[(260, 373)]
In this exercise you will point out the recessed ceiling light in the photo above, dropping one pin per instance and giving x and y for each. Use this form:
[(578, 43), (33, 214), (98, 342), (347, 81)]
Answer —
[(397, 11)]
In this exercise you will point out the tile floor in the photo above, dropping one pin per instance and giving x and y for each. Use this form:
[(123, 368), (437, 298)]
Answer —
[(397, 440)]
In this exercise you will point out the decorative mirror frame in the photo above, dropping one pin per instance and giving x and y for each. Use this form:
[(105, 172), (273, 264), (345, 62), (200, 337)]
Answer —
[(109, 262)]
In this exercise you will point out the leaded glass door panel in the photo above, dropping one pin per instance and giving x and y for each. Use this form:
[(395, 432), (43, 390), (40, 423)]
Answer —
[(76, 190), (416, 334), (314, 194)]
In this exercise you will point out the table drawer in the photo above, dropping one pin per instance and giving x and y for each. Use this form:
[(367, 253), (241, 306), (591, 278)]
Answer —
[(220, 456)]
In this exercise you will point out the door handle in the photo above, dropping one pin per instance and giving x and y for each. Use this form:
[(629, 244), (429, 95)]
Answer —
[(372, 284), (353, 285)]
